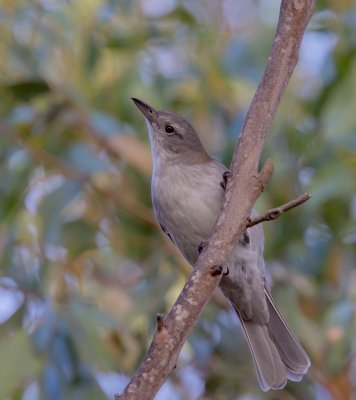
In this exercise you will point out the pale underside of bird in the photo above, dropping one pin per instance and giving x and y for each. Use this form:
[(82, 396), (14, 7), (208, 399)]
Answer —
[(187, 196)]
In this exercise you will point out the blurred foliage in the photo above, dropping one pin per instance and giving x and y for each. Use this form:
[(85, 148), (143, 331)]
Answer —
[(84, 266)]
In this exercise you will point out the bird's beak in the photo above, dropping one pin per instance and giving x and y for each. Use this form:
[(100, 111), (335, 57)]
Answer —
[(149, 112)]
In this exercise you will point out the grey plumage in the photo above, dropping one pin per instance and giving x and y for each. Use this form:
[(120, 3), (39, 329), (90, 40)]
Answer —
[(187, 197)]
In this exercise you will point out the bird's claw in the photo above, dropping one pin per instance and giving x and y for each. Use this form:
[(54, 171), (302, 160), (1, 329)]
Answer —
[(216, 270), (226, 176), (202, 245)]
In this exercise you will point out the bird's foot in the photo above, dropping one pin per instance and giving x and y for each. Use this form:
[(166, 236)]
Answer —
[(216, 270), (225, 176), (202, 245)]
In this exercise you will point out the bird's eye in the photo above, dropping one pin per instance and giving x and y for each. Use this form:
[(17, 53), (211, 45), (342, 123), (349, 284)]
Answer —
[(169, 129)]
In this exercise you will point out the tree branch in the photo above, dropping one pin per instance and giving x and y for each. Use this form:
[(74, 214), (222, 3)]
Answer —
[(274, 213), (243, 188)]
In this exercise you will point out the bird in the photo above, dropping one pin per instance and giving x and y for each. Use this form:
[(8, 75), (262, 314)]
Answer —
[(187, 189)]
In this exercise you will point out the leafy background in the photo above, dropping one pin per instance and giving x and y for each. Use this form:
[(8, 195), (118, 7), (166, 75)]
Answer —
[(84, 267)]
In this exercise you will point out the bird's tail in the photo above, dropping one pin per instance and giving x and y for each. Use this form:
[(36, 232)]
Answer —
[(277, 353)]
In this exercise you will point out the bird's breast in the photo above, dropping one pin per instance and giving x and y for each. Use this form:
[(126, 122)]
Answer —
[(187, 201)]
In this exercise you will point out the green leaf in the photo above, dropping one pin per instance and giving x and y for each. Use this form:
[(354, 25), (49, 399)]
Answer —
[(19, 365), (123, 41), (27, 90), (88, 326), (338, 117)]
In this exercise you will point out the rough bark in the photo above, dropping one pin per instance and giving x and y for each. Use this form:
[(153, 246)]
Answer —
[(243, 188)]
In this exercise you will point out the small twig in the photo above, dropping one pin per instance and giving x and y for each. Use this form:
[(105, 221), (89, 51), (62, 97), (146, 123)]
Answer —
[(276, 212), (160, 322), (266, 173)]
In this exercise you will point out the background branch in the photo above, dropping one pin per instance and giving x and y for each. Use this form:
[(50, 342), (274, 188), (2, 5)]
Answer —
[(243, 188)]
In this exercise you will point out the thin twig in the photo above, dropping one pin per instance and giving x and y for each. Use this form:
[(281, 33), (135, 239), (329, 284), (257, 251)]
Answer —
[(160, 322), (274, 213)]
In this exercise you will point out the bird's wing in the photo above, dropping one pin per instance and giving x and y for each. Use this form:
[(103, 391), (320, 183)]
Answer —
[(166, 232)]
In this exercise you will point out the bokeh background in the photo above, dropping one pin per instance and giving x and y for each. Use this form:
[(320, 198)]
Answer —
[(84, 267)]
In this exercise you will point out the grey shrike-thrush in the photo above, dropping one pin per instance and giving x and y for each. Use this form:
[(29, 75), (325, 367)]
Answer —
[(187, 198)]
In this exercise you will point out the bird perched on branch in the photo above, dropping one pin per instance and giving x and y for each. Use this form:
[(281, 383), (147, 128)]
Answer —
[(187, 196)]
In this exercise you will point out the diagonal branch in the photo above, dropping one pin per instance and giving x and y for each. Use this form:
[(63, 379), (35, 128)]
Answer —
[(243, 188)]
